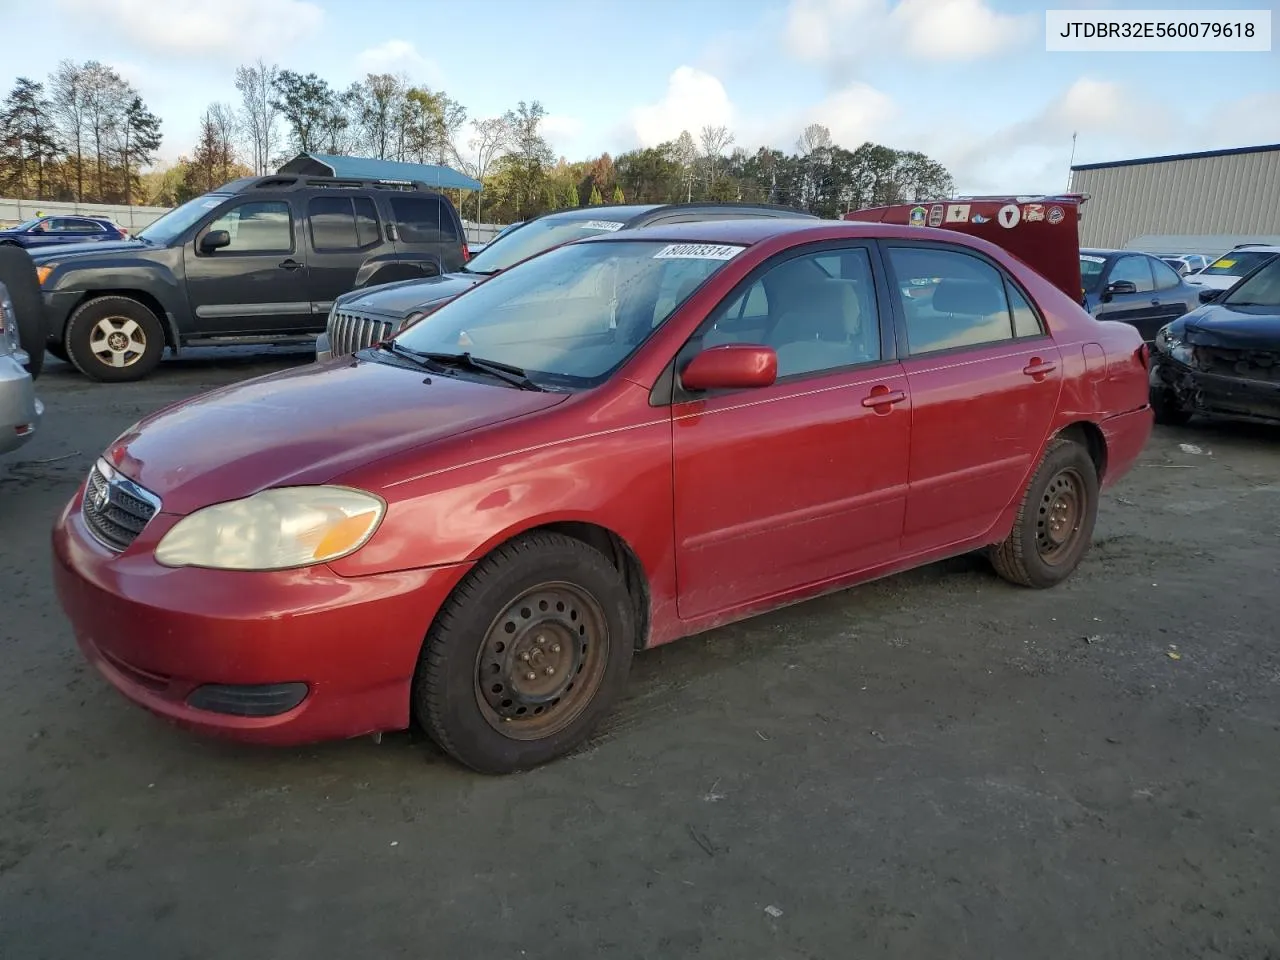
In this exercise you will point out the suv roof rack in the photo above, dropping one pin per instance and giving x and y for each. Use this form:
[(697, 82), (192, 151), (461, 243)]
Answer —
[(289, 181)]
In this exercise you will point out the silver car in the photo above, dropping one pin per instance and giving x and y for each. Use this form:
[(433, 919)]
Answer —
[(20, 411)]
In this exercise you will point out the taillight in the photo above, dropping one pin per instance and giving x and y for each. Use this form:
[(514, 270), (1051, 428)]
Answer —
[(466, 252)]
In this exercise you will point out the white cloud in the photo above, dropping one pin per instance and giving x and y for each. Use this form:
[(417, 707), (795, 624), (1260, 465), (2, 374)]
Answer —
[(562, 133), (693, 100), (855, 114), (847, 34), (398, 56), (240, 29)]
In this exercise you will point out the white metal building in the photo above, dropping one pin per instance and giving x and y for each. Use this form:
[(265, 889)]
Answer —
[(1187, 203)]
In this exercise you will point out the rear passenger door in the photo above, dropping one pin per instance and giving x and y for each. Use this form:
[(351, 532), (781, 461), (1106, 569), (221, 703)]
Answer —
[(342, 231), (425, 232), (984, 378)]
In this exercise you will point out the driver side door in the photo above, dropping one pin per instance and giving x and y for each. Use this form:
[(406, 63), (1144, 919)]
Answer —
[(1141, 309), (256, 285), (804, 482)]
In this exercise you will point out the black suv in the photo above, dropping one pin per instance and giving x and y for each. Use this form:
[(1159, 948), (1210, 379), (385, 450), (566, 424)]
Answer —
[(259, 260), (363, 317)]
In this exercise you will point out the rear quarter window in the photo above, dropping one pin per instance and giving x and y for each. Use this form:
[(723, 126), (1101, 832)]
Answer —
[(424, 220)]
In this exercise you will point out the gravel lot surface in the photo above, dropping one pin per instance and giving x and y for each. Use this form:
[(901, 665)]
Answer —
[(937, 765)]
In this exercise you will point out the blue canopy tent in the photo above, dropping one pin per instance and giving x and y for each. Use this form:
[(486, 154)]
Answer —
[(363, 168)]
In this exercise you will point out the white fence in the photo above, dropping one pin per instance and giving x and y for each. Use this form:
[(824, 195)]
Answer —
[(133, 219)]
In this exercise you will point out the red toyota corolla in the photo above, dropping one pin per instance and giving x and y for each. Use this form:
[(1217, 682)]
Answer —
[(623, 441)]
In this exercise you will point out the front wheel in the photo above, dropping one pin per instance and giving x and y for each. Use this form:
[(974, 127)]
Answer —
[(1055, 519), (114, 339), (527, 655)]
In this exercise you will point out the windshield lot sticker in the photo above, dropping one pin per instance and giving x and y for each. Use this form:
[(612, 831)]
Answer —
[(609, 225), (979, 218), (1091, 259), (1033, 212), (697, 251), (1056, 215), (1009, 216), (917, 216), (958, 213), (935, 215), (1224, 264)]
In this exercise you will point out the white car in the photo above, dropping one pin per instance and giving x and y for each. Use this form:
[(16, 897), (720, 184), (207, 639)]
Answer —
[(1230, 267)]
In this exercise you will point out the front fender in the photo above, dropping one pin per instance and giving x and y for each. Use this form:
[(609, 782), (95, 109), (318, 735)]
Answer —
[(157, 284)]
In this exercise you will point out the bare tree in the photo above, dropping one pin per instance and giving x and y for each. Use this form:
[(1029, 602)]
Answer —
[(106, 98), (814, 137), (686, 155), (379, 100), (493, 138), (69, 114), (714, 140), (258, 111)]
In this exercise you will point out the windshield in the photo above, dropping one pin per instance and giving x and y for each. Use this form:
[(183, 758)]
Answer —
[(534, 237), (1236, 263), (1091, 270), (575, 314), (1260, 290), (180, 219), (28, 225)]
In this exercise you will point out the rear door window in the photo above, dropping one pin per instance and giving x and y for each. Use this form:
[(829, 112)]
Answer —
[(1166, 277), (342, 223), (424, 220)]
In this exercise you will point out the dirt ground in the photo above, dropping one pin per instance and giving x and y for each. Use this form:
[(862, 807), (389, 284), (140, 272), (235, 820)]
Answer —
[(936, 765)]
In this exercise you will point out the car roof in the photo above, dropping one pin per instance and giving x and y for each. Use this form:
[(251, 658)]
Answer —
[(617, 212), (1254, 248), (1109, 252)]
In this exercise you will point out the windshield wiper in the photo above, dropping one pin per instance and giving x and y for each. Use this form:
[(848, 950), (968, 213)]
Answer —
[(413, 356), (503, 371)]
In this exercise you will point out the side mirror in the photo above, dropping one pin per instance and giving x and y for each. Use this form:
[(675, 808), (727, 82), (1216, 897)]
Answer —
[(1121, 287), (214, 240), (1208, 295), (732, 366)]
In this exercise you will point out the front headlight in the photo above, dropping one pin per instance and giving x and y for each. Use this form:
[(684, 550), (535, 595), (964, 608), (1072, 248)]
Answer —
[(277, 529), (420, 314)]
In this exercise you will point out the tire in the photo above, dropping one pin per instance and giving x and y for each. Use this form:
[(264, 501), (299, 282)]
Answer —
[(18, 274), (1166, 408), (1066, 485), (115, 328), (546, 607)]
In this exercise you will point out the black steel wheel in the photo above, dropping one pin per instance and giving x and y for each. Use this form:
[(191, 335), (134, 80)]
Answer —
[(527, 655), (1055, 521)]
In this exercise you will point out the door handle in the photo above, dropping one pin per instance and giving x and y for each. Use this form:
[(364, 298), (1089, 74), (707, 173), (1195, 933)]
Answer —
[(1039, 368), (882, 396), (291, 264)]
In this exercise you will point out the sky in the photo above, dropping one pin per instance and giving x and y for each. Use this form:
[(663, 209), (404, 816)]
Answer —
[(967, 82)]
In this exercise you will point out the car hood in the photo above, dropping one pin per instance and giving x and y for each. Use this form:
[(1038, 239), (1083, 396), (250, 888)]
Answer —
[(62, 252), (1215, 325), (303, 426), (397, 299)]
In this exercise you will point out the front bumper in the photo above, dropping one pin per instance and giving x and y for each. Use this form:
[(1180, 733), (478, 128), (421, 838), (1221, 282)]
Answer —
[(20, 409), (323, 349), (1215, 394), (315, 656)]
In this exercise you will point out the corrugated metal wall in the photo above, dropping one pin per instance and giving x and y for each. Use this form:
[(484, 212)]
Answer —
[(1233, 194)]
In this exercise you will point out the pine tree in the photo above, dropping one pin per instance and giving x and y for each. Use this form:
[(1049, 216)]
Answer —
[(596, 199), (571, 196), (617, 194)]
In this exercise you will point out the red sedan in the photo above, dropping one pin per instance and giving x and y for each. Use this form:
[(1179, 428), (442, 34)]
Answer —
[(620, 442)]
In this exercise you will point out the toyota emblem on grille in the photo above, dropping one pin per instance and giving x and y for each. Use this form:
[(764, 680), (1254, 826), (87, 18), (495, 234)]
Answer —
[(102, 499)]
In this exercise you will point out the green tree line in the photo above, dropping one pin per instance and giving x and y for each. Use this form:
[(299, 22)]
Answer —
[(76, 142)]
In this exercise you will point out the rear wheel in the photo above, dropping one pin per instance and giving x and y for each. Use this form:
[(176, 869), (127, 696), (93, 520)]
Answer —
[(18, 274), (527, 655), (114, 339), (1055, 519)]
